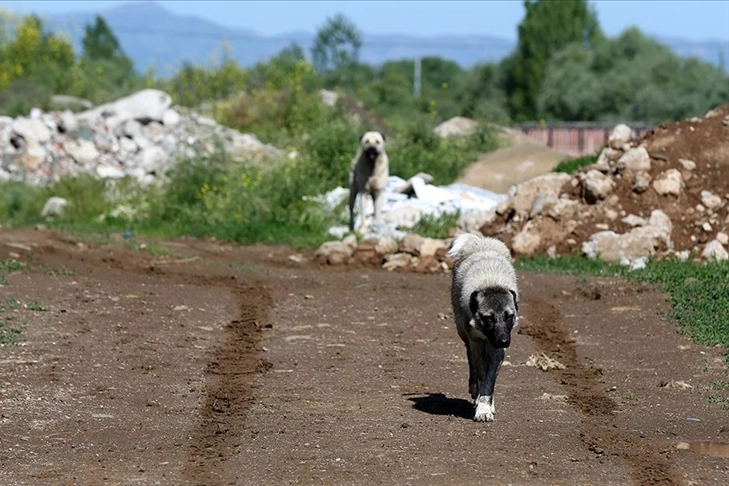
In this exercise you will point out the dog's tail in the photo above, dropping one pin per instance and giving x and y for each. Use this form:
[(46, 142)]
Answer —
[(467, 244)]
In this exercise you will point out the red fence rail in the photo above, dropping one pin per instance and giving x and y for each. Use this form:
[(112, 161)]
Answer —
[(577, 138)]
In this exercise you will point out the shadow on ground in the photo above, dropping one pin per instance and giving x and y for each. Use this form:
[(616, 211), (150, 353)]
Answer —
[(439, 404)]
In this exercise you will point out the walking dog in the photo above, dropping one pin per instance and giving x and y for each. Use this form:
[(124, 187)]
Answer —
[(485, 301)]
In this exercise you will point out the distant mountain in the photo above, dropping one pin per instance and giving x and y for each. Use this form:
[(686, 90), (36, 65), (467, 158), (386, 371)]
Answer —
[(153, 36)]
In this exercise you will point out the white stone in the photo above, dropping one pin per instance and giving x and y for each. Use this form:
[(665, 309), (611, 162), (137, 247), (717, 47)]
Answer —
[(715, 251), (668, 183)]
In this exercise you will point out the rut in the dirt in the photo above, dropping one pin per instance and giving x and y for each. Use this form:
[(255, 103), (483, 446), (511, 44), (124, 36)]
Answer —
[(231, 371), (603, 434)]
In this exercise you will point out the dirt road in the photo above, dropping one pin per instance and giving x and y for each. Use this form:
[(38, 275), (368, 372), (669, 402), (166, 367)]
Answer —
[(214, 364)]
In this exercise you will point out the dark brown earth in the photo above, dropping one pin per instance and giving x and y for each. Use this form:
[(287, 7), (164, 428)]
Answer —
[(215, 364)]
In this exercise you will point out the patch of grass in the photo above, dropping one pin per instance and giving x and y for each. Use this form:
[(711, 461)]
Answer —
[(437, 227), (723, 401), (568, 166), (568, 265), (9, 332), (720, 385), (13, 265), (155, 249), (36, 306), (699, 293)]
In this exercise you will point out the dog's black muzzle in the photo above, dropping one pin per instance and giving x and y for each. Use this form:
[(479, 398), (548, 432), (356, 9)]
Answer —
[(372, 153)]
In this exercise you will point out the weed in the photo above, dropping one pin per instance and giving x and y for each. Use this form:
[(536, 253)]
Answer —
[(570, 165), (35, 306), (431, 226)]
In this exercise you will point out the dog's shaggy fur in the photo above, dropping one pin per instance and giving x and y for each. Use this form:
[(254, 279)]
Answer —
[(368, 175), (485, 300)]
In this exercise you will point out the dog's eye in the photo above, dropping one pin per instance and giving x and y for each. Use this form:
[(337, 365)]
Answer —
[(508, 316), (488, 318)]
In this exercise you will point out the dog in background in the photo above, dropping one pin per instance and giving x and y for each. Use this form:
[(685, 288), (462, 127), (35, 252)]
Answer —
[(368, 175), (485, 301)]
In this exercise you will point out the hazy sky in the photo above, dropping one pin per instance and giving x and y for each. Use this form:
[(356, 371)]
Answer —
[(687, 19)]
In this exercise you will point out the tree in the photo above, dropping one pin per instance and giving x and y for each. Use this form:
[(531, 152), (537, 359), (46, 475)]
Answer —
[(99, 42), (337, 45), (548, 26)]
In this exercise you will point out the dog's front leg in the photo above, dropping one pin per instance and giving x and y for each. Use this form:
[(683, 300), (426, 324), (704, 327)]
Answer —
[(492, 359), (363, 213), (352, 200), (377, 201), (472, 374)]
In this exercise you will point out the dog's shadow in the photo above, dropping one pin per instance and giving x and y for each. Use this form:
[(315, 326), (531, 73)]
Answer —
[(439, 404)]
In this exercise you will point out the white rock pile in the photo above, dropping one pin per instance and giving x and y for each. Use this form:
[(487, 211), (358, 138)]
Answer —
[(140, 136)]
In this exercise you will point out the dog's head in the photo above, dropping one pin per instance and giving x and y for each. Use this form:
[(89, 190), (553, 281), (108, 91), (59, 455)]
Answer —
[(494, 311), (373, 144)]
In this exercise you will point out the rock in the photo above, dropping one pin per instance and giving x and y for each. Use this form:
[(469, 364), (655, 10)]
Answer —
[(472, 222), (411, 244), (334, 252), (84, 152), (398, 261), (596, 186), (68, 122), (144, 106), (54, 207), (170, 118), (613, 247), (108, 172), (32, 131), (543, 203), (457, 126), (714, 250), (710, 200), (636, 159), (668, 183), (386, 245), (620, 135), (687, 164), (430, 247), (722, 238), (642, 182), (152, 159), (634, 220), (526, 241), (525, 193)]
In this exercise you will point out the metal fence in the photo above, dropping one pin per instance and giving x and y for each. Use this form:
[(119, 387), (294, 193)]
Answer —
[(577, 138)]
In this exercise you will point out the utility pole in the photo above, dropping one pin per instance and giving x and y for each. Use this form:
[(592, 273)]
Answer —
[(416, 77)]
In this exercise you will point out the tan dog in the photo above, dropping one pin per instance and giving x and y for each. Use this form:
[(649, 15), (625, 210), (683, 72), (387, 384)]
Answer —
[(368, 175)]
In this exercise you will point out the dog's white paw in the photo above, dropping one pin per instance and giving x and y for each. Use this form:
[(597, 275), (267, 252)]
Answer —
[(484, 409)]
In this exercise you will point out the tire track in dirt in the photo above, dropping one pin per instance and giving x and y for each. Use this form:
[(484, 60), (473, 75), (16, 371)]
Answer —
[(229, 390), (603, 434)]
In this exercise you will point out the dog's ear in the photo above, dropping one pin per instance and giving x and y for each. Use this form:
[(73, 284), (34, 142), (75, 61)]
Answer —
[(384, 139), (362, 136), (473, 303), (516, 300)]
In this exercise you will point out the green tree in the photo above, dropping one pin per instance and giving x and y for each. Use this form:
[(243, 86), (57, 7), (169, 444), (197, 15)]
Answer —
[(337, 45), (548, 26), (629, 78), (99, 42)]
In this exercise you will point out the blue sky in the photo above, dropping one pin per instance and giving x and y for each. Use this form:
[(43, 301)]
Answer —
[(695, 20)]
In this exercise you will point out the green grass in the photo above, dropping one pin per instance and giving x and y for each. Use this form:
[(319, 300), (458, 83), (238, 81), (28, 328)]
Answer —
[(570, 165), (9, 332), (698, 293), (436, 226)]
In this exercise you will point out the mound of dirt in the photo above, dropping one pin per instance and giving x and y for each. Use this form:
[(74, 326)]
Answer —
[(663, 194)]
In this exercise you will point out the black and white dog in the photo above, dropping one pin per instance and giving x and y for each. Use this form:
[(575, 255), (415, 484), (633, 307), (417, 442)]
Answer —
[(485, 301)]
